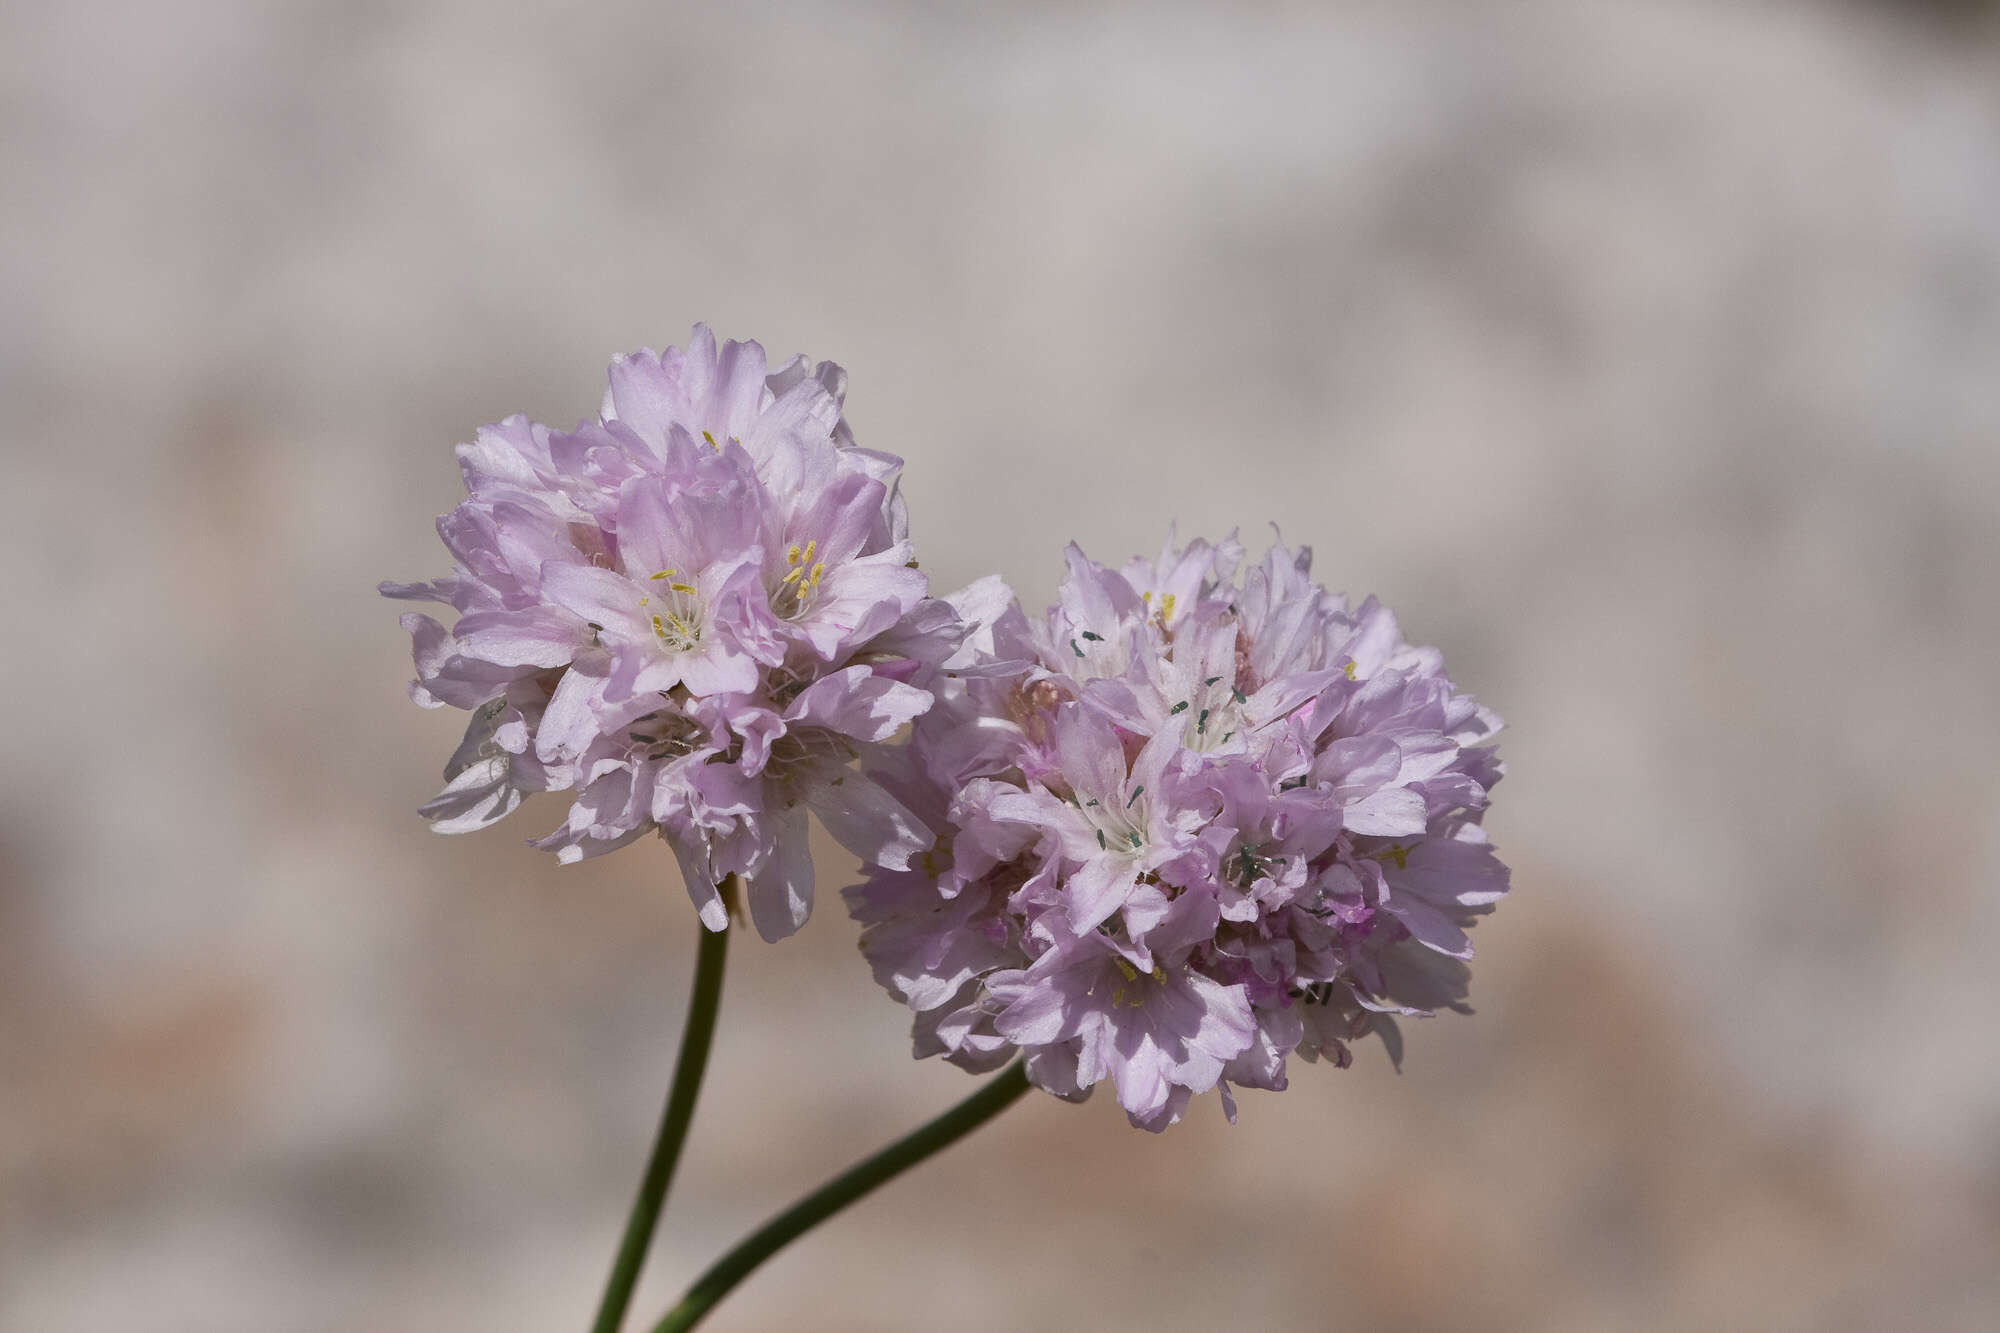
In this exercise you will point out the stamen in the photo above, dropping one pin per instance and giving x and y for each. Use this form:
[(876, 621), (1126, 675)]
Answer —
[(804, 575), (675, 632)]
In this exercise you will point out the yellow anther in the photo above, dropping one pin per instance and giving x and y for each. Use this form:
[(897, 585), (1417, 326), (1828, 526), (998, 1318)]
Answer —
[(1131, 972), (711, 442), (1159, 973), (812, 545), (644, 600), (1349, 668), (796, 573), (1166, 608), (674, 631), (687, 588), (663, 574), (818, 570), (792, 556), (1400, 855)]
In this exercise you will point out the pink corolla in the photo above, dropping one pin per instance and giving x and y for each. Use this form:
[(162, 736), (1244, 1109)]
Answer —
[(695, 613), (1184, 827)]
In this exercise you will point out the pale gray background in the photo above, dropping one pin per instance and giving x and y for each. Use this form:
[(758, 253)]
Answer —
[(1644, 355)]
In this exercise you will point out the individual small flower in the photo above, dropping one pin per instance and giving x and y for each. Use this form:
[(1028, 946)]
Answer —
[(1185, 826), (695, 613)]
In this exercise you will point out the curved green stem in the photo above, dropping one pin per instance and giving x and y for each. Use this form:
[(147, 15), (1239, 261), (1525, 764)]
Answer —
[(999, 1093), (695, 1038)]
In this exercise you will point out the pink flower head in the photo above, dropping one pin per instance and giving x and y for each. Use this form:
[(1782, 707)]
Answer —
[(695, 613), (1186, 826)]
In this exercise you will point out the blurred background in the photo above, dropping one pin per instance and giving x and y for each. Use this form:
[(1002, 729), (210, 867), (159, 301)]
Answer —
[(1645, 355)]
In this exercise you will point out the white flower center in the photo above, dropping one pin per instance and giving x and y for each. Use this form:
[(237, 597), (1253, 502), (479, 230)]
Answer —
[(676, 609), (1210, 716), (1120, 829)]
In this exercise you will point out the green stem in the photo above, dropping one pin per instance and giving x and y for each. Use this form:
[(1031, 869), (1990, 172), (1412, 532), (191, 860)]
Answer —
[(999, 1093), (695, 1038)]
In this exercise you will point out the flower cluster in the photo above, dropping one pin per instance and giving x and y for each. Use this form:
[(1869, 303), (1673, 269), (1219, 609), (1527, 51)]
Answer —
[(696, 613), (1198, 818), (1186, 826)]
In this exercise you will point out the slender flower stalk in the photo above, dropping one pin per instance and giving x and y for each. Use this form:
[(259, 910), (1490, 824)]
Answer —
[(703, 1003), (1201, 817), (1002, 1091)]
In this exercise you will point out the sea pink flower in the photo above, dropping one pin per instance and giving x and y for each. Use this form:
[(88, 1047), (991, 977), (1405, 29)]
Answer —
[(1184, 827), (695, 613)]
